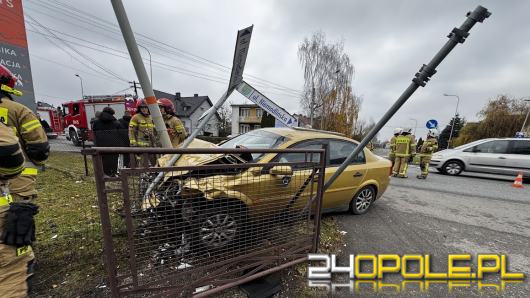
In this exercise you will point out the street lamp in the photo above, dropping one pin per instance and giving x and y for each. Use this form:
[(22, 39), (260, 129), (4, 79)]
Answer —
[(150, 62), (82, 91), (415, 125), (526, 118), (456, 113)]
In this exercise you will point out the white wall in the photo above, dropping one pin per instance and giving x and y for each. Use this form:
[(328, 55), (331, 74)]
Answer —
[(235, 120), (213, 124)]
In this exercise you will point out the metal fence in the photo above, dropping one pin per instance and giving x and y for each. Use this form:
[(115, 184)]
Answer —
[(219, 218)]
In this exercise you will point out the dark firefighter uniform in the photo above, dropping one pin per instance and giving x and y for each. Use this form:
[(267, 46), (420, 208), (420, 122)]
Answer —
[(17, 227), (405, 149), (429, 146)]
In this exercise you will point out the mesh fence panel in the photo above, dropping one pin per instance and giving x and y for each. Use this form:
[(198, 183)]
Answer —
[(208, 225)]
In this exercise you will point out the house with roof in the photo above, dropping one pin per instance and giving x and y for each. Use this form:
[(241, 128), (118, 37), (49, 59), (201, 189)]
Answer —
[(189, 109)]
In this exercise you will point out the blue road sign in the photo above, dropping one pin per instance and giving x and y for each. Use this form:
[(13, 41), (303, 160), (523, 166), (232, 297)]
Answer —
[(432, 124)]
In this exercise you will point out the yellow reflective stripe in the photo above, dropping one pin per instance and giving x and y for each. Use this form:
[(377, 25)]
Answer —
[(30, 123), (5, 200), (133, 124), (30, 171), (23, 250), (11, 90), (4, 115), (11, 171), (32, 127)]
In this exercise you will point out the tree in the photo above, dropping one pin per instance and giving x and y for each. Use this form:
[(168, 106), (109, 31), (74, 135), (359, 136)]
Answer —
[(327, 94), (446, 132), (267, 120), (225, 120), (501, 117)]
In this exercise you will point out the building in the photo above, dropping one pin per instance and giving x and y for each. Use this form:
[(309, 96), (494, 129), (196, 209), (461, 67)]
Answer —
[(189, 109), (245, 117)]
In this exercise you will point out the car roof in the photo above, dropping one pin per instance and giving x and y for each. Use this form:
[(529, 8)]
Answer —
[(296, 133)]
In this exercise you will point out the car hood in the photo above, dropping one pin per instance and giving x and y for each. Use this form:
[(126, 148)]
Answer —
[(187, 160)]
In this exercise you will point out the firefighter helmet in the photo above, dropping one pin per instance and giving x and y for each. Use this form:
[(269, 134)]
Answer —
[(8, 81), (167, 104), (433, 133), (407, 130), (398, 130)]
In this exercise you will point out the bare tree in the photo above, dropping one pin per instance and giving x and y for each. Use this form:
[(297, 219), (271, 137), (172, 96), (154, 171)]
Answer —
[(225, 119), (328, 95)]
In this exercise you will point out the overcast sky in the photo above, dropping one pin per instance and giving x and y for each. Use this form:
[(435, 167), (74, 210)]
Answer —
[(387, 42)]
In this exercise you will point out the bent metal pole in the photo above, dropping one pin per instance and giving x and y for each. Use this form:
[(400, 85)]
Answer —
[(458, 35), (139, 67)]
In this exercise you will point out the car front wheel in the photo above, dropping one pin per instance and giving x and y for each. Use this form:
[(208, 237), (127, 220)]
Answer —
[(362, 200), (453, 167), (222, 226)]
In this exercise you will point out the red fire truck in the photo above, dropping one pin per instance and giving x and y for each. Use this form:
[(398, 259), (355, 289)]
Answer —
[(78, 114), (51, 119)]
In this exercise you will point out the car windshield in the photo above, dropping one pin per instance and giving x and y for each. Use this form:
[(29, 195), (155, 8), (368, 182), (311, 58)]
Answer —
[(256, 139)]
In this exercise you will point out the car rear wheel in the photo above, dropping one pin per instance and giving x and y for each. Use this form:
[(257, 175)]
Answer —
[(362, 200), (453, 167)]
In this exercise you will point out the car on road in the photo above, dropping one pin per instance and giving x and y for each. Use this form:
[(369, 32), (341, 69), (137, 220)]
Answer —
[(204, 196), (505, 156)]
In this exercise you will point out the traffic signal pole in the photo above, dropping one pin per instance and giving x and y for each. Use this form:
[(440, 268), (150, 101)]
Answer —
[(458, 35), (139, 67)]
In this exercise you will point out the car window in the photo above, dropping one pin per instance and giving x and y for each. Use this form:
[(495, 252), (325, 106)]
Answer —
[(255, 139), (340, 150), (521, 147), (492, 147), (301, 157)]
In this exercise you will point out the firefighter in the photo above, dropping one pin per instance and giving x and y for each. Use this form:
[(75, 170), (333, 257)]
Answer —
[(392, 154), (405, 150), (175, 128), (17, 226), (429, 146), (141, 127)]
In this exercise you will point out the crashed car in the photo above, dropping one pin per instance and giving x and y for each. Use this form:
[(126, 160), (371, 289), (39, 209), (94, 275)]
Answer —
[(219, 204)]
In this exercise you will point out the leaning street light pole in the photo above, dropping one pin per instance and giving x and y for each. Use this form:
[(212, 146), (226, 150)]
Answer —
[(82, 91), (150, 63), (526, 118), (456, 114), (457, 35), (415, 124), (139, 67)]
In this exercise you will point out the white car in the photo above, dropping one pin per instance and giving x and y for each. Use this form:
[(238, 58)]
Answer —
[(506, 156)]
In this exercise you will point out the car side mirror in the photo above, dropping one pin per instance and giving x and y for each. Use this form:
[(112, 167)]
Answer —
[(281, 171)]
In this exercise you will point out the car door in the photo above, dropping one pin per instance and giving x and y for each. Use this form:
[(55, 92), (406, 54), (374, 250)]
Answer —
[(489, 157), (346, 185), (519, 158)]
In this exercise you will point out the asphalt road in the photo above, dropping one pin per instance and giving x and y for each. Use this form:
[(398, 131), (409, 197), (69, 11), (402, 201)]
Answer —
[(61, 144), (444, 215)]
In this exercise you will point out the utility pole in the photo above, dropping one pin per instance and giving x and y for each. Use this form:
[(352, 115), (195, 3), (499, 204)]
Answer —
[(135, 88), (454, 119), (139, 67)]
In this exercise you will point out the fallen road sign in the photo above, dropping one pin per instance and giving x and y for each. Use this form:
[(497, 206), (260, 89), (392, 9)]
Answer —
[(267, 105), (240, 56)]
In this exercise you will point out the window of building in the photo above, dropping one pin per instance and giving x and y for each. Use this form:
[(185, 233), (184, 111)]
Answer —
[(259, 112), (244, 112), (244, 128)]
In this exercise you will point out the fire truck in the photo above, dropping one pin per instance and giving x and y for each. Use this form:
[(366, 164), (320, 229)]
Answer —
[(79, 115), (50, 118)]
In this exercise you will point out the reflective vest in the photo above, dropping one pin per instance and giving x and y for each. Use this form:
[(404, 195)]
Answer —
[(27, 127), (142, 131), (175, 129), (405, 145), (429, 146)]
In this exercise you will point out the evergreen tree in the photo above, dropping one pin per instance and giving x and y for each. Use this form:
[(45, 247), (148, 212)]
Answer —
[(446, 132), (267, 120)]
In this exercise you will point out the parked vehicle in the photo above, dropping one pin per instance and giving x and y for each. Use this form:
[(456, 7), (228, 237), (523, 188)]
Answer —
[(79, 114), (506, 156), (356, 189), (51, 119)]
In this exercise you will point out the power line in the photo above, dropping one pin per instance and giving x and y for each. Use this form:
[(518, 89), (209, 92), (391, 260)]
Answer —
[(79, 15)]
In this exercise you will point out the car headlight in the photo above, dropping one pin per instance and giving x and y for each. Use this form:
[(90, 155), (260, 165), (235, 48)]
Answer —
[(437, 156)]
